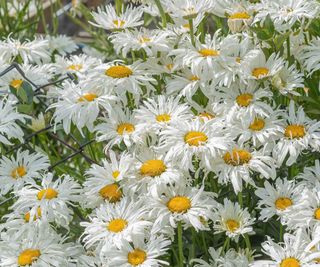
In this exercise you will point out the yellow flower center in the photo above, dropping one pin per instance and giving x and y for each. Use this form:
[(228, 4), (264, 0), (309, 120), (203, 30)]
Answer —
[(194, 78), (260, 72), (244, 100), (87, 97), (232, 225), (163, 117), (111, 192), (119, 72), (169, 66), (48, 193), (144, 39), (290, 262), (206, 52), (117, 225), (16, 84), (238, 60), (136, 257), (27, 215), (294, 131), (283, 203), (75, 67), (119, 23), (153, 167), (206, 115), (195, 138), (20, 171), (115, 174), (125, 128), (179, 204), (317, 214), (240, 15), (257, 124), (186, 26), (237, 157), (28, 256)]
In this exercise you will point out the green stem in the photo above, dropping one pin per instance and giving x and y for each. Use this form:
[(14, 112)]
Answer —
[(288, 49), (162, 13), (191, 31), (180, 244), (240, 198), (118, 7), (281, 232), (205, 245), (226, 244), (247, 240), (192, 247)]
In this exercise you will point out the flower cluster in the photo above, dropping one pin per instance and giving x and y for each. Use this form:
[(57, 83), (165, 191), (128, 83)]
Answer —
[(203, 153)]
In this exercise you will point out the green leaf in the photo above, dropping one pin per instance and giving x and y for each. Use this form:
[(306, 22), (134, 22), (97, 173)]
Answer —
[(24, 92), (268, 24), (25, 108), (280, 39)]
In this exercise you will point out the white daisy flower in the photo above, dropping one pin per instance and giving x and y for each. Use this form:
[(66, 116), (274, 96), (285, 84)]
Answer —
[(239, 163), (285, 14), (142, 253), (61, 44), (255, 65), (151, 170), (293, 252), (110, 224), (184, 140), (186, 8), (310, 56), (102, 183), (124, 77), (108, 19), (245, 100), (9, 118), (35, 51), (275, 200), (232, 220), (53, 197), (120, 126), (214, 110), (40, 248), (20, 169), (181, 203), (151, 41), (310, 176), (80, 104), (77, 64), (158, 113), (259, 130), (299, 133)]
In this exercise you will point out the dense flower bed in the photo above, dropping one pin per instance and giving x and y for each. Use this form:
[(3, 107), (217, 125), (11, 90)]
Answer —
[(193, 142)]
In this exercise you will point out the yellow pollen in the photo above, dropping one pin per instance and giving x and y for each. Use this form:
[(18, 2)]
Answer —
[(237, 157), (18, 172), (119, 72), (28, 256), (186, 26), (260, 72), (238, 59), (194, 138), (125, 128), (27, 215), (48, 193), (209, 52), (290, 262), (206, 115), (194, 78), (75, 67), (117, 225), (87, 97), (115, 174), (16, 84), (257, 124), (294, 131), (317, 214), (144, 39), (153, 167), (119, 23), (179, 204), (244, 100), (169, 66), (163, 117), (283, 203), (111, 192), (136, 257), (232, 225), (240, 15)]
